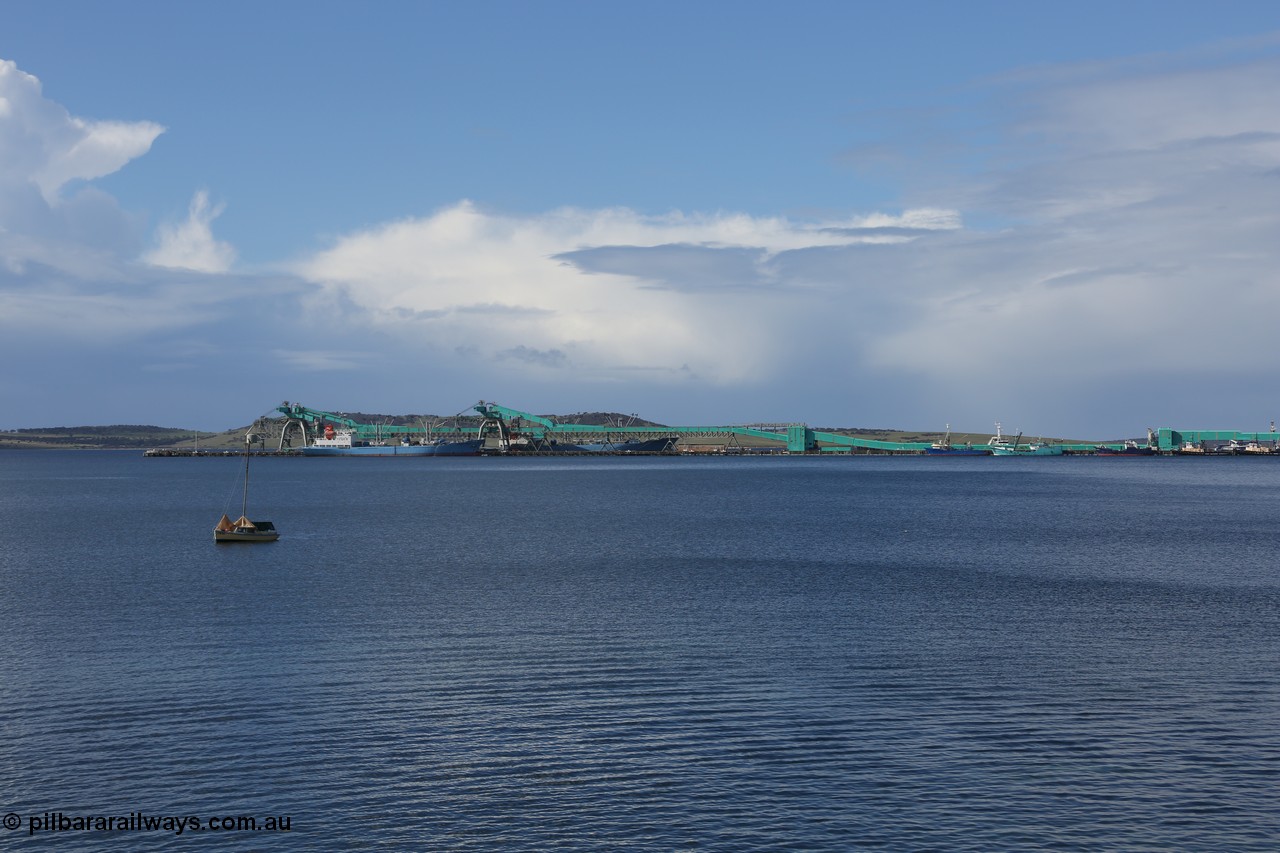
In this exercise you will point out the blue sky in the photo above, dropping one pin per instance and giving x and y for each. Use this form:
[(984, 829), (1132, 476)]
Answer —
[(1064, 218)]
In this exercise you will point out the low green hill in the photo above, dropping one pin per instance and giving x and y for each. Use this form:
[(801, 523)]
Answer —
[(117, 436)]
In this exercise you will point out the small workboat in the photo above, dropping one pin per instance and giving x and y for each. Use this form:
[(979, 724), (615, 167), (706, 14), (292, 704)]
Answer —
[(242, 529), (946, 448), (1001, 446), (1129, 448)]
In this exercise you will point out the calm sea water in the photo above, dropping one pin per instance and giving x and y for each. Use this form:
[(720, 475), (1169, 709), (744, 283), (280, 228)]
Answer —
[(645, 654)]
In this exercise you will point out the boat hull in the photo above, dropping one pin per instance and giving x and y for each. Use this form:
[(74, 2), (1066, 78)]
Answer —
[(455, 448), (1128, 451), (956, 451), (245, 531), (244, 536)]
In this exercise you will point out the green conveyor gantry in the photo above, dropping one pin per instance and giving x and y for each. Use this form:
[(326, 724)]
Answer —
[(509, 427), (506, 429)]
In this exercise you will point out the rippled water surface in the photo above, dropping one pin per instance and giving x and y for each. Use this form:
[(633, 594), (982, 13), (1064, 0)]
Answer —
[(645, 654)]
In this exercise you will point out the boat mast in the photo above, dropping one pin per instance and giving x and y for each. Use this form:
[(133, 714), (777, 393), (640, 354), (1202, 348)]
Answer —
[(244, 502)]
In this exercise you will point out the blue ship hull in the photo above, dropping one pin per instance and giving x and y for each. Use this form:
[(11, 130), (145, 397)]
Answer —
[(454, 448)]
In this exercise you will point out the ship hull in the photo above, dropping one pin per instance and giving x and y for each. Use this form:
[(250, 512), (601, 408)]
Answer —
[(656, 445), (454, 448), (1128, 451)]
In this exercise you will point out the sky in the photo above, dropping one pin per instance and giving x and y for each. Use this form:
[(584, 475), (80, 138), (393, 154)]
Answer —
[(1062, 217)]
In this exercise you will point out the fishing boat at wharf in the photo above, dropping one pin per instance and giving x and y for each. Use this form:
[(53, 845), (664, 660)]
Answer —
[(1001, 445), (1129, 448), (945, 447)]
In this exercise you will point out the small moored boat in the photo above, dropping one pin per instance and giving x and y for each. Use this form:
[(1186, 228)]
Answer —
[(242, 529)]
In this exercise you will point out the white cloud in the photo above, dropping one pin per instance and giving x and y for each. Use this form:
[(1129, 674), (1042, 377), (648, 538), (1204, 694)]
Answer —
[(1157, 108), (657, 302), (1147, 203), (42, 149), (190, 244), (68, 268), (325, 361), (45, 145)]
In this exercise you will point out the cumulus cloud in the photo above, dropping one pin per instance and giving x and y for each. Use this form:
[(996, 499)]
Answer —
[(190, 244), (603, 291), (50, 219), (48, 147), (69, 265)]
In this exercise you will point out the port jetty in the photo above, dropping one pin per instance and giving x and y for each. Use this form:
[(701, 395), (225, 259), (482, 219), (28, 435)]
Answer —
[(490, 429)]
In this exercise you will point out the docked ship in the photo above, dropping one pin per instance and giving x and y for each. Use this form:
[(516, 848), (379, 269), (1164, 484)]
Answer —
[(1001, 445), (1130, 448), (946, 448), (654, 445), (344, 443), (1236, 447)]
